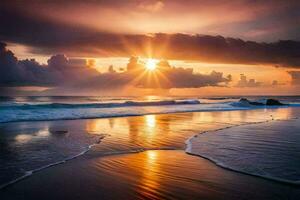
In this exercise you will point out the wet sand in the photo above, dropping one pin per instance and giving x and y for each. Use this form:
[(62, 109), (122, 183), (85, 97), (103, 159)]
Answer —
[(156, 173), (160, 174), (270, 150)]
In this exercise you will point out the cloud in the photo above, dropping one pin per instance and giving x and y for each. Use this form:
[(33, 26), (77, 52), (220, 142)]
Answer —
[(151, 6), (252, 83), (48, 35), (295, 75), (263, 20), (58, 71), (164, 77), (244, 82), (62, 72), (276, 83)]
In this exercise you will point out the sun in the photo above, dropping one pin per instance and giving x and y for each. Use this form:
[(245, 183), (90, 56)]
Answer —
[(151, 64)]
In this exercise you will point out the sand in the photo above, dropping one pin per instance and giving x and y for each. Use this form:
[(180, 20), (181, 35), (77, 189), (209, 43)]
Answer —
[(160, 174), (155, 173)]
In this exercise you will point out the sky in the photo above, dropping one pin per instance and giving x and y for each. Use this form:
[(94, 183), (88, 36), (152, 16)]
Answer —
[(197, 47)]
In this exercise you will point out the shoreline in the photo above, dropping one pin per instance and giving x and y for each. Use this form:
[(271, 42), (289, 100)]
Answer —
[(130, 137), (189, 147), (164, 167), (187, 150), (296, 184), (158, 113)]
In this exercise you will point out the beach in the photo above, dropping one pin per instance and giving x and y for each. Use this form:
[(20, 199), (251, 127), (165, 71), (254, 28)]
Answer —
[(135, 157), (149, 99), (154, 174)]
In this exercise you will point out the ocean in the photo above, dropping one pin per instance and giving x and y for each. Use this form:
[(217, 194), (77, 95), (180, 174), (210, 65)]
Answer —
[(37, 108), (40, 132)]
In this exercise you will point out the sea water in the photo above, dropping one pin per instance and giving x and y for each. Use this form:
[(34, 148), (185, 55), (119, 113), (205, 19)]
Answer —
[(37, 132)]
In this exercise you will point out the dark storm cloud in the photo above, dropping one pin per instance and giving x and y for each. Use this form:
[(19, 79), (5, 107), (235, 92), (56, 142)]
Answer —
[(13, 72), (266, 20), (22, 28), (48, 36), (230, 50), (58, 71)]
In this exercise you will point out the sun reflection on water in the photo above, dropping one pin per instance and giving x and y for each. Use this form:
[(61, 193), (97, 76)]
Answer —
[(151, 155), (29, 137), (150, 120), (170, 130)]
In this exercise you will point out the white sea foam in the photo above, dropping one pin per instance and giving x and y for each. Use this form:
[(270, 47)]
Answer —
[(31, 172), (55, 111), (67, 111), (269, 150)]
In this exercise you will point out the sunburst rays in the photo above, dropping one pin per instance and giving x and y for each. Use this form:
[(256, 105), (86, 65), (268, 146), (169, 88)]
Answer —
[(148, 74)]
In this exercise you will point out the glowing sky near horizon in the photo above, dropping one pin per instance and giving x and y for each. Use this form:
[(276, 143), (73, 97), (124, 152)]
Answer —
[(193, 34)]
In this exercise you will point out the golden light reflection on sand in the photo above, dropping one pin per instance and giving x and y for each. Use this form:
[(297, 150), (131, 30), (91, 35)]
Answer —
[(163, 168), (149, 182), (151, 156), (172, 130), (101, 126)]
